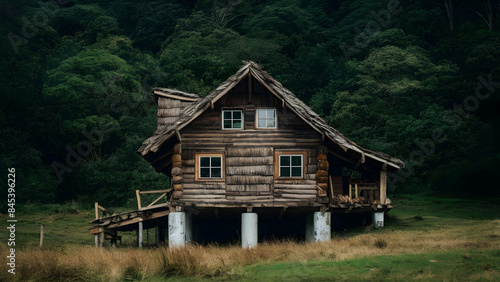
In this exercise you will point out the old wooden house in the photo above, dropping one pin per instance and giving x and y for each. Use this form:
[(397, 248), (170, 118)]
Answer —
[(251, 151)]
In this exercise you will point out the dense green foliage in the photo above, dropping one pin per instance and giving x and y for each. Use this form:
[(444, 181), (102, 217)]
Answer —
[(398, 77)]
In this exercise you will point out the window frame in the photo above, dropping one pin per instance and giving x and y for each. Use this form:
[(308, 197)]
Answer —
[(198, 167), (233, 110), (277, 163), (275, 119)]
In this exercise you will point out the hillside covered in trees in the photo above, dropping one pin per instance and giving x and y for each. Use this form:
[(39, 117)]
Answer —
[(417, 79)]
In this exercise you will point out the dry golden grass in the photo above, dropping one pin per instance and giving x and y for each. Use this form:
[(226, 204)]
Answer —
[(77, 263)]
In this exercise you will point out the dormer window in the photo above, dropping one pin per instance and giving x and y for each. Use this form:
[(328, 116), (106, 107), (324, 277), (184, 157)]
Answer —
[(232, 119), (266, 118)]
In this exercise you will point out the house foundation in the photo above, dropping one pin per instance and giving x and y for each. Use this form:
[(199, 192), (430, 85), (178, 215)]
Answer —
[(378, 219), (249, 230), (177, 229), (319, 227)]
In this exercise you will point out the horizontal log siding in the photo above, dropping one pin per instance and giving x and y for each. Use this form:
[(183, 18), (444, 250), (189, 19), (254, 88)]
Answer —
[(169, 111), (249, 154)]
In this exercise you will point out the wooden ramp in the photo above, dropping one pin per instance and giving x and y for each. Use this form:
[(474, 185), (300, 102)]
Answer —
[(106, 227)]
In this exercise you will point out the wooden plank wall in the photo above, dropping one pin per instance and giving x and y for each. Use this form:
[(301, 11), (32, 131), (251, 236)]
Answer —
[(249, 153), (169, 110)]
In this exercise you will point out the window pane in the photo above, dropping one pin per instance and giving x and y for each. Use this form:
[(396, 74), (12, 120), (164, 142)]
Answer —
[(227, 123), (227, 115), (216, 173), (296, 171), (284, 160), (271, 123), (216, 161), (261, 123), (205, 172), (237, 124), (204, 161), (296, 160), (236, 115), (271, 113), (284, 171)]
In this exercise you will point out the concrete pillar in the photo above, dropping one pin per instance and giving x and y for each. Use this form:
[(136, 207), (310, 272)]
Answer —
[(139, 235), (249, 230), (322, 222), (176, 229), (189, 228), (378, 219)]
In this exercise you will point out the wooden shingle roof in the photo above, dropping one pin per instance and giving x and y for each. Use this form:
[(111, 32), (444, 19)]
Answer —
[(191, 112)]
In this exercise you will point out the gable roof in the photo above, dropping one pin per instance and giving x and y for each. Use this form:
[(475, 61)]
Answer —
[(153, 143)]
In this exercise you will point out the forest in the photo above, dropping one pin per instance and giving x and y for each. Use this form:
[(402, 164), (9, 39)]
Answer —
[(417, 79)]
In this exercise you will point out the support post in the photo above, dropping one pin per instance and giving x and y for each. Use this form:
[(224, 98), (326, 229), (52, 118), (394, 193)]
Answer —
[(157, 236), (96, 239), (176, 229), (101, 237), (249, 230), (318, 227), (139, 234), (378, 219), (42, 230), (383, 186)]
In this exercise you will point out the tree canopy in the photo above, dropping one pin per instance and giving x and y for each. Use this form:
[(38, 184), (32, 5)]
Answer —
[(416, 79)]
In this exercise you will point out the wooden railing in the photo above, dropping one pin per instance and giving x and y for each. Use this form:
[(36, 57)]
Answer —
[(370, 191), (139, 193)]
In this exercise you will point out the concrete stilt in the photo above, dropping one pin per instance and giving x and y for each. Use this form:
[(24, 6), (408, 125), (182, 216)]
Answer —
[(378, 219), (139, 234), (176, 229), (249, 230), (322, 226), (189, 228)]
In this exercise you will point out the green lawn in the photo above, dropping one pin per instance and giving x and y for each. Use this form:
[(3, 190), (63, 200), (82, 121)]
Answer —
[(457, 265)]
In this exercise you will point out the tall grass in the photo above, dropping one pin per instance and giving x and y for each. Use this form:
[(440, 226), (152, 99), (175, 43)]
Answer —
[(81, 263)]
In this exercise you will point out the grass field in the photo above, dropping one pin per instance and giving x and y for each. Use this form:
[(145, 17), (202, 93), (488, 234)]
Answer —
[(425, 238)]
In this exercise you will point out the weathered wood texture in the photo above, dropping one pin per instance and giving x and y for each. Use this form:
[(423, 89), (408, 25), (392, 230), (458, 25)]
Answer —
[(249, 153), (169, 111)]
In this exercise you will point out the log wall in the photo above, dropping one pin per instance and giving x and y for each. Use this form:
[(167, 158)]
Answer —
[(169, 110), (249, 153)]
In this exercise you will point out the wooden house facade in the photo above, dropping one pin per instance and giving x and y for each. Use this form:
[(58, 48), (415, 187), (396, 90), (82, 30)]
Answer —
[(251, 147)]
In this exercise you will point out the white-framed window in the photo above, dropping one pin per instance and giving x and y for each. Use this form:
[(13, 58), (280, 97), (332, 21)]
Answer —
[(291, 166), (209, 166), (266, 118), (232, 119)]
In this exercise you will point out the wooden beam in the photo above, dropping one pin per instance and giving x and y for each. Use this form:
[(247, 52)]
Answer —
[(138, 194), (383, 187), (331, 186), (163, 94), (178, 134), (159, 198), (96, 205), (156, 191), (249, 87)]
